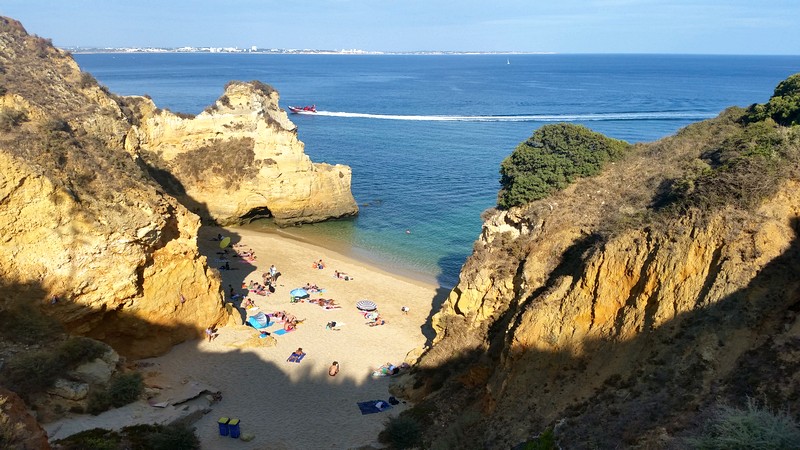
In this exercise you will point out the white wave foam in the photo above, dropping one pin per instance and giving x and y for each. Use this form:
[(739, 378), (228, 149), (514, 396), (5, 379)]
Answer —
[(664, 115)]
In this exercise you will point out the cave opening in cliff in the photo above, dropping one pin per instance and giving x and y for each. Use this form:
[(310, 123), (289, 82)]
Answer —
[(261, 212)]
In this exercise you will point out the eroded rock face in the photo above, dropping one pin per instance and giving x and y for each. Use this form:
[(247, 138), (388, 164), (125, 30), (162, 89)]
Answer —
[(20, 429), (88, 236), (566, 316), (241, 158)]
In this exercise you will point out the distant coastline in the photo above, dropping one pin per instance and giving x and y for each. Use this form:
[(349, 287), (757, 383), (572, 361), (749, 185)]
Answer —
[(281, 51)]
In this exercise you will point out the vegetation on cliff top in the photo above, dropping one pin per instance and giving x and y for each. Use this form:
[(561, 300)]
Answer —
[(784, 105), (662, 382), (553, 158)]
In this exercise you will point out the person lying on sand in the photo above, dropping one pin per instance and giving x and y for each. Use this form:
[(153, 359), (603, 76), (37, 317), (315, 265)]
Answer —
[(312, 288), (325, 303), (334, 369), (386, 370), (296, 355), (342, 275), (291, 322), (377, 322)]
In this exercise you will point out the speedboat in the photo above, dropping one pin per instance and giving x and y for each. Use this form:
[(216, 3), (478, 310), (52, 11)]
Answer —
[(303, 109)]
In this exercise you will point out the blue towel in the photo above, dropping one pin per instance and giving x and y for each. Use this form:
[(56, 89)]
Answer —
[(295, 358), (371, 408), (280, 332)]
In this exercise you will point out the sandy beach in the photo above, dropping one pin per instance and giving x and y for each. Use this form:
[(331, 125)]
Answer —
[(298, 405)]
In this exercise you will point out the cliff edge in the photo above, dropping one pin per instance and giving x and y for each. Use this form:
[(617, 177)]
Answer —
[(620, 311), (89, 238)]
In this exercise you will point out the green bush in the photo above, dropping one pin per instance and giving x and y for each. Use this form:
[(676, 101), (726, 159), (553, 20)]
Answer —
[(99, 401), (749, 428), (125, 388), (32, 372), (27, 325), (174, 437), (784, 105), (402, 432), (553, 158), (745, 168), (11, 118), (545, 441), (78, 350), (137, 437)]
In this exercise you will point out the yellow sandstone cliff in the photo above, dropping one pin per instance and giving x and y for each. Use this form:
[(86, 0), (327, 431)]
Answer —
[(101, 196), (594, 315), (88, 237), (241, 159)]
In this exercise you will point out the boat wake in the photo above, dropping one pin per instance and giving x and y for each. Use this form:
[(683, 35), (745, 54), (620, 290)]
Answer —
[(664, 115)]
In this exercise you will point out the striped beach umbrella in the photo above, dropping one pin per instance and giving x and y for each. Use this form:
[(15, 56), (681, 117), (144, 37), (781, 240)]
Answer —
[(366, 305)]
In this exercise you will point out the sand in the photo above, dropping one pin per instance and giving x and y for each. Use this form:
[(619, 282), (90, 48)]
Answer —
[(289, 405)]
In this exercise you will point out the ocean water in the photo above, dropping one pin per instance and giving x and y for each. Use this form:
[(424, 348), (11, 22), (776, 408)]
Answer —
[(425, 134)]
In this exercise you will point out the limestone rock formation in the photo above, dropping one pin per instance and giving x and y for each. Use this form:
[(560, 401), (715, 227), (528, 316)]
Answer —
[(616, 324), (241, 159), (88, 236), (18, 428)]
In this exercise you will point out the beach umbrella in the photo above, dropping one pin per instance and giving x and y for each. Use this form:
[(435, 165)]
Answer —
[(299, 293), (224, 242), (366, 305), (261, 319)]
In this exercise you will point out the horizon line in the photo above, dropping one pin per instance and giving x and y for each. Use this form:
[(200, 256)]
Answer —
[(359, 52)]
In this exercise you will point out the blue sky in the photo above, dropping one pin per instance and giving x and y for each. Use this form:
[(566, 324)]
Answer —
[(564, 26)]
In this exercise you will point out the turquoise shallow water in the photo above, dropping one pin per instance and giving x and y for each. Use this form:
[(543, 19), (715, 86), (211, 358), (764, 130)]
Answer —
[(425, 134)]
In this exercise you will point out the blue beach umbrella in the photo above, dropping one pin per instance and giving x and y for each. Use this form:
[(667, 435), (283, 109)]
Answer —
[(299, 293)]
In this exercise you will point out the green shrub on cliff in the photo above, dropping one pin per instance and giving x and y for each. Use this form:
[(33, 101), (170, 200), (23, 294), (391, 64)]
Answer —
[(551, 159), (750, 427), (783, 107), (137, 437), (402, 431), (11, 118), (745, 168), (33, 372), (126, 388), (29, 373)]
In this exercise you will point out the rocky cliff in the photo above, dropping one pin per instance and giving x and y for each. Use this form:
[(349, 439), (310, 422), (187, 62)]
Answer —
[(88, 237), (240, 159), (613, 314), (18, 429), (100, 196)]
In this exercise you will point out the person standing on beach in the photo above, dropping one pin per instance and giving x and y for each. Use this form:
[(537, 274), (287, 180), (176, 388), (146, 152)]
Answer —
[(211, 332)]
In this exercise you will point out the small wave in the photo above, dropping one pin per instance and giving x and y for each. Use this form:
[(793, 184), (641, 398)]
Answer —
[(662, 115)]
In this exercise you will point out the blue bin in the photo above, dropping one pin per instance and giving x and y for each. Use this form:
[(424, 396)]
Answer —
[(224, 429), (233, 427)]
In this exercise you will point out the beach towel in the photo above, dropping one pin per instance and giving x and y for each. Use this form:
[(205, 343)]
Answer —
[(282, 331), (373, 406), (295, 358)]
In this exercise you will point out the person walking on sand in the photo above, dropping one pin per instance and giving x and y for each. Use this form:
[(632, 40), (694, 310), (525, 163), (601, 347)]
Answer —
[(211, 333), (334, 369)]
